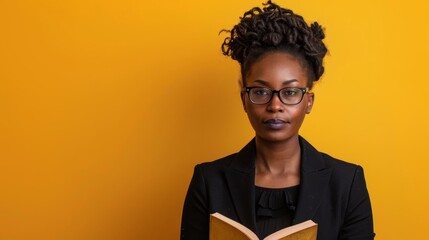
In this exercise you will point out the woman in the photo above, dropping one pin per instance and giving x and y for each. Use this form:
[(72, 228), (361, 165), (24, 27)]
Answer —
[(278, 179)]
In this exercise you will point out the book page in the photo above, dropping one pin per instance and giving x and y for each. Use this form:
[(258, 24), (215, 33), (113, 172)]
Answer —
[(223, 228), (303, 231)]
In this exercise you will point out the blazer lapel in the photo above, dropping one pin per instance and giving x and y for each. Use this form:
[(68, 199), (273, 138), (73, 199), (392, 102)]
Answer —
[(240, 178), (315, 176)]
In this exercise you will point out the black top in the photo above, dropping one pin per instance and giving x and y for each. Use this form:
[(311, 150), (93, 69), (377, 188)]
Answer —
[(275, 208)]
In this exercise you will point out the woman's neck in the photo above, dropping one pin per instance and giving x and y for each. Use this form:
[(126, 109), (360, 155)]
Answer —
[(278, 158)]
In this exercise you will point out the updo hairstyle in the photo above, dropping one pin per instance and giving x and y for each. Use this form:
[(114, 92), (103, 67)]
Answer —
[(274, 29)]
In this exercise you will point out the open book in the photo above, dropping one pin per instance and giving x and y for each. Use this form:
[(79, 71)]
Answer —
[(223, 228)]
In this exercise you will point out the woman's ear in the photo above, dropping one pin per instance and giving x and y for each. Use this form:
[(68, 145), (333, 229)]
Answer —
[(242, 93), (243, 101), (310, 102)]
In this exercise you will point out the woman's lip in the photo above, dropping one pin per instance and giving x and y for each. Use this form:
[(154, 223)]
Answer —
[(274, 123)]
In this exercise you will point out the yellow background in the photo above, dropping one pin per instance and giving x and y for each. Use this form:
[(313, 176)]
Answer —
[(106, 106)]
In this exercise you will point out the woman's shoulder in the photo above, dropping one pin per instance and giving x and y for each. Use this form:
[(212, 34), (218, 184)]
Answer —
[(339, 163), (220, 163), (327, 161), (243, 160)]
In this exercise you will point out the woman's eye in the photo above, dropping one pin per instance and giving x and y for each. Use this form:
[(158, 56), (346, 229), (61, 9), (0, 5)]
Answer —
[(289, 92), (261, 92)]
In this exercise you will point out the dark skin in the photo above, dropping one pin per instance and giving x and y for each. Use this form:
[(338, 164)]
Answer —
[(278, 155)]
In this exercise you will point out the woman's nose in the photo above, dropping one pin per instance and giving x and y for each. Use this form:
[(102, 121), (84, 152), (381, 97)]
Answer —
[(275, 105)]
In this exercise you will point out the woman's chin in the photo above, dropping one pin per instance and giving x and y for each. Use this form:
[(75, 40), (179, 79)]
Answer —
[(276, 137)]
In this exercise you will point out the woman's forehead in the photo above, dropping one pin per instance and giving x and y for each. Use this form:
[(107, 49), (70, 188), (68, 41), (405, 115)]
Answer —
[(277, 68)]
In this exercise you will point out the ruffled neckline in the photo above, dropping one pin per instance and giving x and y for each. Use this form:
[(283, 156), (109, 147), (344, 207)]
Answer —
[(276, 202)]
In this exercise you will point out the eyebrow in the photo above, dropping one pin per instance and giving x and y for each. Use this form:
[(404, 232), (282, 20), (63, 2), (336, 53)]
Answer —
[(284, 83)]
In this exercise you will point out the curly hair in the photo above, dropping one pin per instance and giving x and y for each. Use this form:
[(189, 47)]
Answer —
[(271, 29)]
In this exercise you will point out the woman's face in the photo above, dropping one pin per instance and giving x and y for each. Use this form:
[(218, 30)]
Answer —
[(275, 121)]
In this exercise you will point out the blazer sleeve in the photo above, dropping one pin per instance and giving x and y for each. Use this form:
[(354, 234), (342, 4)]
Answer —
[(358, 222), (195, 215)]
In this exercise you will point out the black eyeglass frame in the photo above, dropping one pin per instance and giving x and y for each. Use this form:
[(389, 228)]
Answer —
[(303, 90)]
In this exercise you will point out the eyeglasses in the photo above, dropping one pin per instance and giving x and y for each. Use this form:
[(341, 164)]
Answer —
[(287, 95)]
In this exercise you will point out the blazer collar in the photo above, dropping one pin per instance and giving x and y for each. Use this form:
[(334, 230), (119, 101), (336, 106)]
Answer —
[(315, 176), (311, 159), (244, 160), (240, 176)]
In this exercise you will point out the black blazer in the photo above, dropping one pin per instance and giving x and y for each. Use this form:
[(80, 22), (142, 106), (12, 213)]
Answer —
[(333, 194)]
